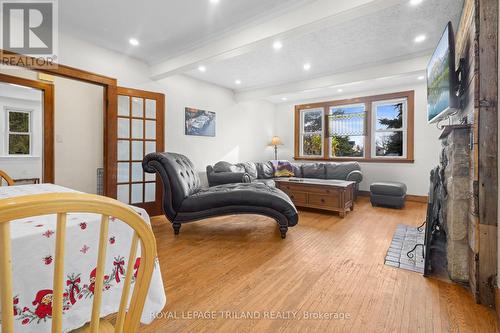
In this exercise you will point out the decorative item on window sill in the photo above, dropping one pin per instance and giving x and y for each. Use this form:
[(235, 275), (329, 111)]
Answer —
[(347, 124), (344, 124), (276, 141)]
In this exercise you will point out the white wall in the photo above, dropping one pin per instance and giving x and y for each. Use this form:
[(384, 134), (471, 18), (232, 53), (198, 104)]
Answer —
[(414, 175), (242, 129), (79, 134), (83, 55)]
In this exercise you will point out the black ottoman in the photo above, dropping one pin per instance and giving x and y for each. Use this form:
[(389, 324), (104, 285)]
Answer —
[(388, 194)]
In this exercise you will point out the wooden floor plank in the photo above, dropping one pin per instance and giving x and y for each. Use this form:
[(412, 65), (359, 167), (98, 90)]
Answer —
[(325, 265)]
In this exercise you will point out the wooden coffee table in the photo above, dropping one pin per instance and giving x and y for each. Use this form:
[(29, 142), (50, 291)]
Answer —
[(333, 195)]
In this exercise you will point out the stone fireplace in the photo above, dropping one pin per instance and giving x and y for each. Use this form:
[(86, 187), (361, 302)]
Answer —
[(448, 230)]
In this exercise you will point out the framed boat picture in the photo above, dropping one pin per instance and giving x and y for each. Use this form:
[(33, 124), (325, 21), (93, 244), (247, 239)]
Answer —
[(199, 122)]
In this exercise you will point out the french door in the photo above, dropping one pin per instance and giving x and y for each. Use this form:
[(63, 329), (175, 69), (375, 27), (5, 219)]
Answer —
[(139, 131)]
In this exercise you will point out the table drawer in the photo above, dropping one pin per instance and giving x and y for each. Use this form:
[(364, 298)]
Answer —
[(327, 190), (331, 200), (298, 198)]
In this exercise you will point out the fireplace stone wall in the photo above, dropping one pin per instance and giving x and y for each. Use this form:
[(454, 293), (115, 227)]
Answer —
[(455, 162)]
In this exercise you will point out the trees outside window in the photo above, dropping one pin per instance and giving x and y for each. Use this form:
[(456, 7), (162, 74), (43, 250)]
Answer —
[(311, 137), (346, 127), (19, 132), (389, 128), (372, 128)]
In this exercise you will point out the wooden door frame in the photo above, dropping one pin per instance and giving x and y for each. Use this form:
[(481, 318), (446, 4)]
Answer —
[(109, 106), (156, 208), (48, 121)]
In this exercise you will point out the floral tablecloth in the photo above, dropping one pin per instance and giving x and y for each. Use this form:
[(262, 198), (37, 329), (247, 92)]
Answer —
[(33, 250)]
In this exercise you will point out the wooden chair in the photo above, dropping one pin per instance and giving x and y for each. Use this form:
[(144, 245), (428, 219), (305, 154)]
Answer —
[(5, 176), (62, 204)]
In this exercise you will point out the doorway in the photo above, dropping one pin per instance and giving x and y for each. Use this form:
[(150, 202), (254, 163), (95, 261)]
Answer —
[(27, 129)]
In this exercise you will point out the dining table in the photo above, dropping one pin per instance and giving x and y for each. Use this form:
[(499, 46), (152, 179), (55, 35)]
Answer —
[(33, 252)]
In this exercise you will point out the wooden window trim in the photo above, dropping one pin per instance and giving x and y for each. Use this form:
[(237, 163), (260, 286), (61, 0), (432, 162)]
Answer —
[(300, 134), (8, 132), (368, 101)]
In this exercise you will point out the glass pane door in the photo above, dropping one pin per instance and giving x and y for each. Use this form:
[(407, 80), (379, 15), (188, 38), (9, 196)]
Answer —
[(140, 127)]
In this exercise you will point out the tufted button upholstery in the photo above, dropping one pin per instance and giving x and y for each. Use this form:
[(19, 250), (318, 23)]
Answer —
[(247, 194), (179, 173)]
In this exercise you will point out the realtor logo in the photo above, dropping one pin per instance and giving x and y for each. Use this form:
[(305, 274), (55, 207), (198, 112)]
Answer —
[(29, 28)]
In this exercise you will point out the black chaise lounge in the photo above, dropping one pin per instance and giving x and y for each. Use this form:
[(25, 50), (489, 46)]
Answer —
[(184, 200)]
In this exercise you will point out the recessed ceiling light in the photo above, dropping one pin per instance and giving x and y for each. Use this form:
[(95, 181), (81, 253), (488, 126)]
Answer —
[(421, 77), (420, 38), (133, 41), (284, 98), (415, 2), (202, 68), (214, 1), (307, 66), (277, 45), (237, 82), (340, 90)]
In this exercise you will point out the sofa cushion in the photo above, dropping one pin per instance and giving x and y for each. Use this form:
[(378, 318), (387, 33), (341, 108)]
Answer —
[(297, 170), (224, 166), (388, 188), (265, 170), (250, 168), (340, 171), (283, 169), (314, 170)]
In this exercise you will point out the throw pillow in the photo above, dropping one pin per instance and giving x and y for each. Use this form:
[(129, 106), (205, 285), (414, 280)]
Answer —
[(250, 168), (283, 169), (224, 166)]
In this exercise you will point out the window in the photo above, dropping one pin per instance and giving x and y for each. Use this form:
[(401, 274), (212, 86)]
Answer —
[(311, 135), (389, 126), (347, 126), (18, 132), (372, 129)]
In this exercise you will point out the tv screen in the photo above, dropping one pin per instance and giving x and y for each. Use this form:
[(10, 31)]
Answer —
[(441, 78)]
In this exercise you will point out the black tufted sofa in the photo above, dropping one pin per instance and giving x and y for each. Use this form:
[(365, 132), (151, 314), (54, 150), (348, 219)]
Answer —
[(184, 199)]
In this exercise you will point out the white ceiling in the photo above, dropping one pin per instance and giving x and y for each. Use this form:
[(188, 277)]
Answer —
[(20, 92), (381, 37), (233, 38), (350, 89), (165, 28)]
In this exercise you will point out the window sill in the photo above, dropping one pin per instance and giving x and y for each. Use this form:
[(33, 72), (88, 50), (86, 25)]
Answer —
[(19, 157), (355, 159)]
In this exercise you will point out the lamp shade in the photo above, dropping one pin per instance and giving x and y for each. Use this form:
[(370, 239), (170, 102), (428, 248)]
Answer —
[(276, 141)]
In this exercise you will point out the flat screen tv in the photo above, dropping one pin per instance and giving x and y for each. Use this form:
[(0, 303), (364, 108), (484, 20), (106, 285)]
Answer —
[(441, 78)]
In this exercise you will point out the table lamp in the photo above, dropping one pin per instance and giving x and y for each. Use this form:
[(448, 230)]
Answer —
[(276, 141)]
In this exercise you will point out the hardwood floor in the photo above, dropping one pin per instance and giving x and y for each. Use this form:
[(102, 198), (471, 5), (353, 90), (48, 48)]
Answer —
[(325, 265)]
